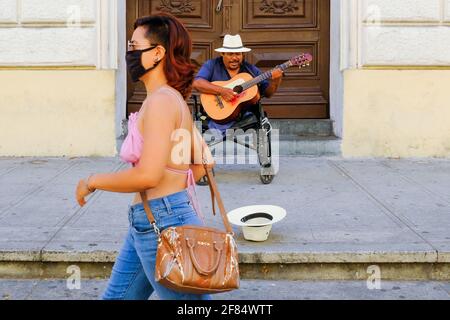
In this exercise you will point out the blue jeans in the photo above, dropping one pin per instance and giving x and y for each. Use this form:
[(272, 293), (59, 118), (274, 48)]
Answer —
[(133, 274)]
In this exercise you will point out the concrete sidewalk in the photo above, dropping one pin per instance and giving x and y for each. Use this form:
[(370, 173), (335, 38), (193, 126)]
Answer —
[(251, 290), (394, 213)]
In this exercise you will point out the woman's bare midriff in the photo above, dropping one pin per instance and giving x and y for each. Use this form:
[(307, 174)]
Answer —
[(170, 184)]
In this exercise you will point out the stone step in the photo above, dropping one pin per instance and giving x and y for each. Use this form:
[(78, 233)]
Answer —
[(298, 127), (304, 127), (268, 264), (302, 138), (295, 145)]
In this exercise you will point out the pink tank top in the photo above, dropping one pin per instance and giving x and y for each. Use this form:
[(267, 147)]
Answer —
[(131, 150)]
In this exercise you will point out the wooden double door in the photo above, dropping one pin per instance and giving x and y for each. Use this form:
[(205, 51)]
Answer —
[(275, 30)]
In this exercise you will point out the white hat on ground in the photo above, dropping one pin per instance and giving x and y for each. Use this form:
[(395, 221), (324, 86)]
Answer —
[(256, 221), (233, 44)]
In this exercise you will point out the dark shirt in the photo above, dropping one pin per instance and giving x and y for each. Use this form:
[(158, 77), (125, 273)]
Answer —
[(215, 70)]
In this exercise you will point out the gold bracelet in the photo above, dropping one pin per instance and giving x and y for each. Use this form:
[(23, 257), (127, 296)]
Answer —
[(87, 184)]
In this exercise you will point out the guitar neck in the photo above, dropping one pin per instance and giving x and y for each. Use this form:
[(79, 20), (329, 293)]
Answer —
[(264, 76)]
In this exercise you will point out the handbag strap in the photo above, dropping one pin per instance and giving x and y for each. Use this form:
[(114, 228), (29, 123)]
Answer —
[(149, 213), (215, 197)]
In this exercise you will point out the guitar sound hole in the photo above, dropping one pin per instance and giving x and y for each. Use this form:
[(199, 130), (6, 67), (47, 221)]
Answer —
[(238, 89)]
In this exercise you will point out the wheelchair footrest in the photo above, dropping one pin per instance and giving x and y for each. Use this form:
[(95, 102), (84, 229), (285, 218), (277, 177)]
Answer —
[(246, 123)]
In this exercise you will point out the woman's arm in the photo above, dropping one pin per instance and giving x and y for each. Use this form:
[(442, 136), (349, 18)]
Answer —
[(159, 115), (125, 181)]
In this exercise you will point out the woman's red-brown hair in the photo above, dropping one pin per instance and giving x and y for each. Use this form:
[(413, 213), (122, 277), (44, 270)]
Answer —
[(166, 30)]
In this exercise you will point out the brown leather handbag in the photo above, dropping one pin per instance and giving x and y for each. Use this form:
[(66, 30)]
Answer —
[(195, 259)]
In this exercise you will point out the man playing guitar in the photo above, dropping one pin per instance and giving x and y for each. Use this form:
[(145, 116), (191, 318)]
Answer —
[(224, 68)]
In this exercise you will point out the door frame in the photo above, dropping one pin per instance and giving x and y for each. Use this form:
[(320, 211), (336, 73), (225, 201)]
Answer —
[(336, 102), (121, 74), (336, 70)]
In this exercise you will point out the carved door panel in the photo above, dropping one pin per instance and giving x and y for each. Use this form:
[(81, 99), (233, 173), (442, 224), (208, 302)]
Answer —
[(200, 17), (275, 30), (278, 30)]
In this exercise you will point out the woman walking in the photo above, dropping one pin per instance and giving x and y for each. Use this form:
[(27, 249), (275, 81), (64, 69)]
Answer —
[(158, 55)]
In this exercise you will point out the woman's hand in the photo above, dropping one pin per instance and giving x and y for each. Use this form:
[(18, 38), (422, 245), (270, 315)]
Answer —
[(82, 192)]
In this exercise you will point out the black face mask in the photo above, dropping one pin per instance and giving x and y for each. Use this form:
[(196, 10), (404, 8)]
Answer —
[(134, 64)]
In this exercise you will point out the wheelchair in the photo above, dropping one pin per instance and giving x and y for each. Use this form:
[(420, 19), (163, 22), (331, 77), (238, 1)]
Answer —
[(261, 136)]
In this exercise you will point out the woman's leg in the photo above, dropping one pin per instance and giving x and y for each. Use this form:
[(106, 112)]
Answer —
[(128, 280)]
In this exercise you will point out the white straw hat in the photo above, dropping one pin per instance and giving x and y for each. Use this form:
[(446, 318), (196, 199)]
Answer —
[(233, 44), (256, 221)]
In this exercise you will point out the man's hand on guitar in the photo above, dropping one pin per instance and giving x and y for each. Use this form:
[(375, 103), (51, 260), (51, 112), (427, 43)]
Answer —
[(227, 94), (277, 74)]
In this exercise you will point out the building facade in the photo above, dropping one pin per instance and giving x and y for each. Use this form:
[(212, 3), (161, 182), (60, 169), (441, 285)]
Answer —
[(381, 71)]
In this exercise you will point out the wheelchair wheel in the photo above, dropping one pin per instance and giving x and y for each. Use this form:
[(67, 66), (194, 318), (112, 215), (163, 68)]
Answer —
[(264, 150), (267, 179)]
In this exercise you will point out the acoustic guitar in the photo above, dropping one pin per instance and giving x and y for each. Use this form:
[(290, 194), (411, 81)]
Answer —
[(245, 86)]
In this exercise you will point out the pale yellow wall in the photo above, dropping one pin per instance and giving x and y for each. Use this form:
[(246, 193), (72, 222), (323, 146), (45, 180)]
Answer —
[(396, 113), (57, 113)]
